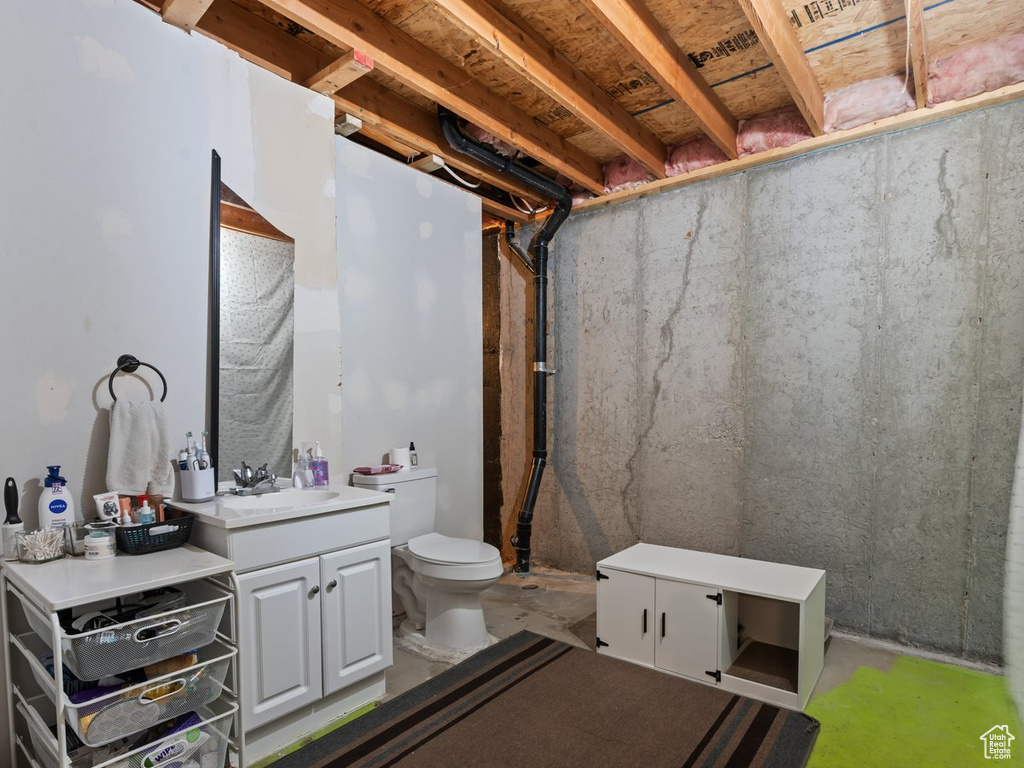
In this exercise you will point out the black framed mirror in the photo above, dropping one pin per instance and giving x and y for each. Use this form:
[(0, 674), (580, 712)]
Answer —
[(252, 324)]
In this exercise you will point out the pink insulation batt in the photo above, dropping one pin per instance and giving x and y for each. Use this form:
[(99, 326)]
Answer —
[(579, 194), (624, 173), (771, 130), (866, 101), (481, 136), (692, 154), (979, 68)]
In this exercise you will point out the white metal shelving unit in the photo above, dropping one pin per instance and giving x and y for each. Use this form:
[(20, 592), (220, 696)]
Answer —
[(43, 591)]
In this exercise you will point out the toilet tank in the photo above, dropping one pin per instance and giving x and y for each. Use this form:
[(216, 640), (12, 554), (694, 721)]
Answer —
[(415, 502)]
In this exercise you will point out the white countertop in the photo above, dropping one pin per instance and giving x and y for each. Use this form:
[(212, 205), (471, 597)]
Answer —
[(74, 580), (287, 504)]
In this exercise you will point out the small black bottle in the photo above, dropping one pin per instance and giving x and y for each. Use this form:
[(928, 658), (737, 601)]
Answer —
[(414, 460)]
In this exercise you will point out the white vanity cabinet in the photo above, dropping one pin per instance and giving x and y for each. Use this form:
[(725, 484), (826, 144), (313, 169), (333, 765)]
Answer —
[(313, 627), (314, 605), (751, 627)]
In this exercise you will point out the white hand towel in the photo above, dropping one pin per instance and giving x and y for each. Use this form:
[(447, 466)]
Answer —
[(140, 451)]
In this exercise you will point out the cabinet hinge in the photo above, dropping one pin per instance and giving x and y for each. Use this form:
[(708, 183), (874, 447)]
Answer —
[(717, 674), (716, 597), (600, 642), (601, 576)]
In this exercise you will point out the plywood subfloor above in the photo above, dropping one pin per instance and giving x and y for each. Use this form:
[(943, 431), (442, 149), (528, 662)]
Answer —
[(566, 83)]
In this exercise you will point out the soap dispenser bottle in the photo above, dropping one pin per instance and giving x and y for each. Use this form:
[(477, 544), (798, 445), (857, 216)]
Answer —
[(56, 507), (302, 475), (321, 476)]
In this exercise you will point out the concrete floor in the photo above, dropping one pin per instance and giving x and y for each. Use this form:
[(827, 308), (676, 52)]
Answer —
[(562, 606)]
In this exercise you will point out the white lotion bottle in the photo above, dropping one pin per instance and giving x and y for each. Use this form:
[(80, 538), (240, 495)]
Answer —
[(12, 524), (56, 507)]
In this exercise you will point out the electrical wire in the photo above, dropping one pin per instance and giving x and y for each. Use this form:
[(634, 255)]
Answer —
[(525, 207), (459, 179)]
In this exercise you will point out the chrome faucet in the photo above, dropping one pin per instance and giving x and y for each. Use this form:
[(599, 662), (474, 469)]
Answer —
[(252, 482)]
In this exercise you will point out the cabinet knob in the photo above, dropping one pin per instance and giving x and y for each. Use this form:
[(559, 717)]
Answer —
[(332, 584), (314, 591)]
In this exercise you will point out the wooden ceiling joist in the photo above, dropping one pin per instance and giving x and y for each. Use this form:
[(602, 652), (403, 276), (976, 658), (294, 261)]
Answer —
[(389, 113), (773, 27), (918, 51), (526, 51), (402, 150), (350, 24), (650, 43), (503, 211), (340, 73), (184, 13), (260, 42)]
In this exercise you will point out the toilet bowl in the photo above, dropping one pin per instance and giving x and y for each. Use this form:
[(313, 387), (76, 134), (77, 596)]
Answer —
[(438, 579)]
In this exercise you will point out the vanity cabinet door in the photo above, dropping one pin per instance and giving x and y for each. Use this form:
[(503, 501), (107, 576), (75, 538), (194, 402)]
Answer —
[(279, 619), (356, 613)]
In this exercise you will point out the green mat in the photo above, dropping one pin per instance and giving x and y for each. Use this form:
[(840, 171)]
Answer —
[(920, 713)]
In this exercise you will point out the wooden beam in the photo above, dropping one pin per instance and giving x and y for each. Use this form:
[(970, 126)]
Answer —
[(652, 46), (901, 122), (918, 50), (777, 35), (184, 13), (522, 48), (402, 150), (261, 42), (340, 73), (503, 211), (350, 24), (243, 219), (405, 122)]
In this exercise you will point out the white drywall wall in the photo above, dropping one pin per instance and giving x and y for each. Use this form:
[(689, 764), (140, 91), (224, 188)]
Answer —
[(409, 277), (110, 116)]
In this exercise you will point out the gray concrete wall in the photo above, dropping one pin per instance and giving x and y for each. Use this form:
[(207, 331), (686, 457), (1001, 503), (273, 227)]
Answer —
[(817, 362)]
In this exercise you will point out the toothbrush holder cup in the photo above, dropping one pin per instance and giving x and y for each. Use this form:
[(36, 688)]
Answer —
[(198, 484)]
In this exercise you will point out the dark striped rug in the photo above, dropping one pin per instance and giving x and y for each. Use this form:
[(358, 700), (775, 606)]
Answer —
[(531, 701)]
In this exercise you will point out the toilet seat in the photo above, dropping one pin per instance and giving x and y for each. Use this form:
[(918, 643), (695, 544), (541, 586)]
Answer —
[(453, 559), (448, 550)]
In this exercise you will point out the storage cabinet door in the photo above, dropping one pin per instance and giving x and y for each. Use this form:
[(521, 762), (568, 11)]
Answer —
[(687, 629), (356, 613), (279, 620), (625, 615)]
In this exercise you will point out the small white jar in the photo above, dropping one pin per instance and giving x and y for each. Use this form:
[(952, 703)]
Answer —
[(99, 545)]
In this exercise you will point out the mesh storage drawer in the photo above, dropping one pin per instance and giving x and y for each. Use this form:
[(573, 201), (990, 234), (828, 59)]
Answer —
[(130, 710), (133, 644), (204, 744)]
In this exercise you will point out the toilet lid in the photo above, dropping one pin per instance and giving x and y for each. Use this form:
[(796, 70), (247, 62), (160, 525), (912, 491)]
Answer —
[(436, 548)]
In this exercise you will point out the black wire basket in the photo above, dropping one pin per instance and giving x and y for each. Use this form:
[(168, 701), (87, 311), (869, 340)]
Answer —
[(173, 531)]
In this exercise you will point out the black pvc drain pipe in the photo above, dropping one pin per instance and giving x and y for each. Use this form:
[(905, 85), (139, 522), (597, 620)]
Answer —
[(539, 266)]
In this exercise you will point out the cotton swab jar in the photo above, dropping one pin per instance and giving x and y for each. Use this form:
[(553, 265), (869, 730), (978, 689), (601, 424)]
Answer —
[(41, 546)]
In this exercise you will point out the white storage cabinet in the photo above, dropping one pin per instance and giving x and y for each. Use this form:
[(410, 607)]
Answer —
[(314, 607), (751, 627), (42, 714)]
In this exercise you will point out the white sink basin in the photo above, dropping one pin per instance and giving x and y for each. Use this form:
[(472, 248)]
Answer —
[(289, 497)]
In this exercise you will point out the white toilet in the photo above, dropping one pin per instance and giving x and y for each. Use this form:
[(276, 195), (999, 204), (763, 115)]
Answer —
[(437, 578)]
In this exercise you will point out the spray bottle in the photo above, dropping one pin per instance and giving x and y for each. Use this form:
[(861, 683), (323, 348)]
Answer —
[(56, 507)]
